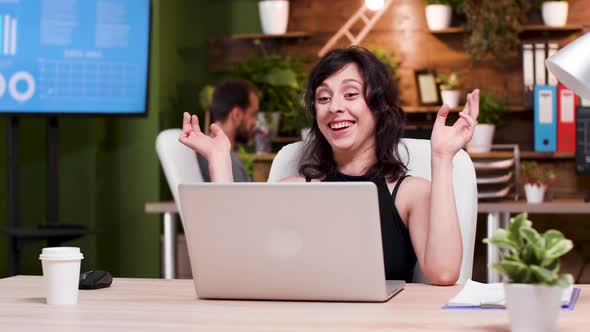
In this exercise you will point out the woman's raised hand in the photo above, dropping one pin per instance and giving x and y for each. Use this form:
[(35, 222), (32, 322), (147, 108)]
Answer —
[(207, 146), (446, 141)]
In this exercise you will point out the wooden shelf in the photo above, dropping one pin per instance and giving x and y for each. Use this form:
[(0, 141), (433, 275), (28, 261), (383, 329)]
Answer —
[(281, 139), (448, 31), (263, 157), (524, 155), (435, 108), (526, 30), (224, 52), (288, 35)]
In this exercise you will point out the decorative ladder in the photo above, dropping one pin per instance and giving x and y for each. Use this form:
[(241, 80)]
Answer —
[(361, 14)]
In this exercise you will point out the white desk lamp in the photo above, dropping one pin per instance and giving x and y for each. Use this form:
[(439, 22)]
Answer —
[(571, 66)]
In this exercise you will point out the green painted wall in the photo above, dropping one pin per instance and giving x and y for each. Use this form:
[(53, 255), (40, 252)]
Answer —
[(108, 167)]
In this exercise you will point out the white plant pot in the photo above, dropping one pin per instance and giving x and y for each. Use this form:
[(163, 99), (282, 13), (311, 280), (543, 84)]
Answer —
[(555, 13), (450, 97), (438, 17), (274, 16), (534, 193), (532, 307), (483, 136)]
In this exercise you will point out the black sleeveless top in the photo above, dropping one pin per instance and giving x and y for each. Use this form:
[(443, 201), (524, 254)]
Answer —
[(398, 252)]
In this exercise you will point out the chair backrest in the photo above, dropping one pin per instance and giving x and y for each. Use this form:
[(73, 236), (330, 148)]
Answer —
[(178, 162), (416, 155)]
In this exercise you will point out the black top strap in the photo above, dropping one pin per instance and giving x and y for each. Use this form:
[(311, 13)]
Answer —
[(399, 181)]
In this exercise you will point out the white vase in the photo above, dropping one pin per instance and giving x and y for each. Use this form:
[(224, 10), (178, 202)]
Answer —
[(274, 16), (483, 136), (438, 17), (555, 13), (450, 97), (532, 307), (534, 192)]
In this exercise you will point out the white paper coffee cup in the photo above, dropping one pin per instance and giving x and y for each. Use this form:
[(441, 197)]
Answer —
[(61, 271)]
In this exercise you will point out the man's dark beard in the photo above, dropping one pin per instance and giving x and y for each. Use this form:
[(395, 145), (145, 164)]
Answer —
[(242, 135)]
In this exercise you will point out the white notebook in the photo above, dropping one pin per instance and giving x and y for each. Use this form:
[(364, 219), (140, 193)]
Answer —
[(477, 294)]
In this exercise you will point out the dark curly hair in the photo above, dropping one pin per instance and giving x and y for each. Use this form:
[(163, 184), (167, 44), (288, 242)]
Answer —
[(380, 93)]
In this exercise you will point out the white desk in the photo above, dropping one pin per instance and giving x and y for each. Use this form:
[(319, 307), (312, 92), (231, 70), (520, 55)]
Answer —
[(168, 260), (146, 305)]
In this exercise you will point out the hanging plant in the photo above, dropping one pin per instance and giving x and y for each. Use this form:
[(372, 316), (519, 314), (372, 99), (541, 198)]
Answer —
[(493, 26)]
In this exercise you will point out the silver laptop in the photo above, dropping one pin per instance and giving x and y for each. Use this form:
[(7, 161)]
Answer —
[(286, 241)]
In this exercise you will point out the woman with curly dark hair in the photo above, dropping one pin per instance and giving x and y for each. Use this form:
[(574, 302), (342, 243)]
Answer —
[(356, 130)]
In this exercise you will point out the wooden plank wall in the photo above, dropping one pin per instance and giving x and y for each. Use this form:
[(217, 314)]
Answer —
[(402, 30)]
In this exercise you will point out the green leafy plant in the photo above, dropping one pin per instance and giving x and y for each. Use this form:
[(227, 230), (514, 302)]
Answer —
[(529, 257), (531, 172), (247, 160), (450, 82), (388, 60), (492, 109), (493, 26), (280, 80), (206, 97)]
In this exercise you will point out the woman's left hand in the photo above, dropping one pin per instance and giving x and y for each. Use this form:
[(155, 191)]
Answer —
[(446, 141)]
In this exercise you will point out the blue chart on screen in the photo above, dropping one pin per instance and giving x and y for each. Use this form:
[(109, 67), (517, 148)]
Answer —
[(74, 56)]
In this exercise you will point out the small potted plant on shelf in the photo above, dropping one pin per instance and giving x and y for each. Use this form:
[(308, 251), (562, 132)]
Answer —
[(449, 88), (491, 114), (530, 262), (535, 179), (274, 16), (438, 13), (555, 13)]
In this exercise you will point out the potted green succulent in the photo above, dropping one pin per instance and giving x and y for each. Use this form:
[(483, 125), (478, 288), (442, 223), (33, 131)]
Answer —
[(449, 88), (491, 114), (530, 262), (536, 179)]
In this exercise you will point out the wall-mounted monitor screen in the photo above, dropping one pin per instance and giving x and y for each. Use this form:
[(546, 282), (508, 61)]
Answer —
[(74, 56)]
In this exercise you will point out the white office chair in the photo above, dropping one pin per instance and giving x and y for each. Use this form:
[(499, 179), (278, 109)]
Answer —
[(286, 163), (178, 162)]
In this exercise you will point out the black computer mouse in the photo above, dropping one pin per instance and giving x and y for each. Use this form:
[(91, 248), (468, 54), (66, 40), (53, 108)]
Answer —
[(95, 280)]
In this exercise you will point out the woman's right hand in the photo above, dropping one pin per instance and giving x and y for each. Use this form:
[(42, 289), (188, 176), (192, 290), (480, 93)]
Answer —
[(194, 138)]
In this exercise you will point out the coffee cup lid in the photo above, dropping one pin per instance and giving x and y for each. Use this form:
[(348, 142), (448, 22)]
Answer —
[(61, 253)]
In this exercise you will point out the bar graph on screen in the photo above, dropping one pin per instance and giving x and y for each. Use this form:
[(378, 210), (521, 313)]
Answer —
[(8, 34)]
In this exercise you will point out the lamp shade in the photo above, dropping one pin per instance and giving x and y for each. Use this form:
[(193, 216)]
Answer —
[(571, 66)]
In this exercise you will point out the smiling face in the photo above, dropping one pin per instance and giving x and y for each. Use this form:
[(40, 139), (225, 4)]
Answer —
[(342, 114)]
